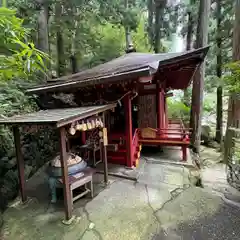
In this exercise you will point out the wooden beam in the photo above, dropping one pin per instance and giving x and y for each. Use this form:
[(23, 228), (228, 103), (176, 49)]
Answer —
[(147, 92), (20, 163), (168, 95), (128, 130), (158, 99), (66, 187), (104, 152)]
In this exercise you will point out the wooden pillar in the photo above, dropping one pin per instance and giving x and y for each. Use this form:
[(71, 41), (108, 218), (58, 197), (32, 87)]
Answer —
[(83, 136), (158, 99), (128, 129), (66, 187), (162, 109), (184, 153), (20, 163), (104, 156), (165, 111)]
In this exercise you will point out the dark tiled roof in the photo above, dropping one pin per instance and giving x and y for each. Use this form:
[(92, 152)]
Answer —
[(125, 67), (125, 63)]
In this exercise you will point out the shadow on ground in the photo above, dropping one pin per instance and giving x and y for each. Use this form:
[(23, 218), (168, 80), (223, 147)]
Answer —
[(196, 214), (223, 225)]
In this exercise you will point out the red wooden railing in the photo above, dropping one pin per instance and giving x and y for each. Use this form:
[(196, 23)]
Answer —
[(136, 147)]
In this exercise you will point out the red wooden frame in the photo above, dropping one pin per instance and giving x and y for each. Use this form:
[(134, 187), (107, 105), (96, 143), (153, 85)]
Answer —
[(170, 132), (128, 130)]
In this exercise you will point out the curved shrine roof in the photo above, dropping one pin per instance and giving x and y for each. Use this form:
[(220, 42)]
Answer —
[(133, 65)]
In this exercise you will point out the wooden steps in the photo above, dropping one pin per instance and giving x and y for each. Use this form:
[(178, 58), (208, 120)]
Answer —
[(164, 142), (120, 156)]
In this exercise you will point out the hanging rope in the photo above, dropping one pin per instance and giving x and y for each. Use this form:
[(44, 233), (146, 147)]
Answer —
[(103, 101)]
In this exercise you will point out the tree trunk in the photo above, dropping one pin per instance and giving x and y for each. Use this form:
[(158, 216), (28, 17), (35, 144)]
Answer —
[(73, 33), (74, 63), (236, 33), (186, 97), (129, 44), (198, 83), (234, 100), (189, 31), (59, 42), (43, 43), (219, 74), (160, 5), (150, 7), (42, 38), (60, 54)]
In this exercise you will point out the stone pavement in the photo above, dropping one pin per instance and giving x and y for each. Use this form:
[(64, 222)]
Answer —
[(161, 205)]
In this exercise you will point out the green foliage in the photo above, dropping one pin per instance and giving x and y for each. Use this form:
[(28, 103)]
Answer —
[(18, 57), (177, 109), (110, 45), (208, 105), (227, 17), (13, 102), (9, 109), (140, 37), (117, 13), (232, 79), (19, 61)]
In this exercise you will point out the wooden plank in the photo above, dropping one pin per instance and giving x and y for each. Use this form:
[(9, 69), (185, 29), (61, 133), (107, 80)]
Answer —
[(65, 179), (20, 163), (105, 138), (163, 142), (147, 111)]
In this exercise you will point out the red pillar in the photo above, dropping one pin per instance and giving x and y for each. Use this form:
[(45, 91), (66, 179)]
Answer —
[(166, 110), (83, 136), (163, 109), (128, 129), (158, 99)]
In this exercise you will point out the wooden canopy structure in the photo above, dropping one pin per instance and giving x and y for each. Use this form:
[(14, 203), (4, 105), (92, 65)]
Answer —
[(60, 119)]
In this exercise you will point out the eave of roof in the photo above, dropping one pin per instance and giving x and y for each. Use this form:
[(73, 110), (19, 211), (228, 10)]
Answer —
[(130, 66), (147, 71), (57, 117)]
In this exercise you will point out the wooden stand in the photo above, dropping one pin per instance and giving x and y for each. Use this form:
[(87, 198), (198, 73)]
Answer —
[(85, 179)]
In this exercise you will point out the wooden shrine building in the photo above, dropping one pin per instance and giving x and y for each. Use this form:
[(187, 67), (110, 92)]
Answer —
[(140, 83)]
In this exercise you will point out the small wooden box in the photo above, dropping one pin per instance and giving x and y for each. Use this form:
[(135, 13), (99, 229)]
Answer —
[(148, 133)]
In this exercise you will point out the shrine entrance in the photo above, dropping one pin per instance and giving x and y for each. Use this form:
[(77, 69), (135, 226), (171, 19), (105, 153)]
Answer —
[(147, 111)]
